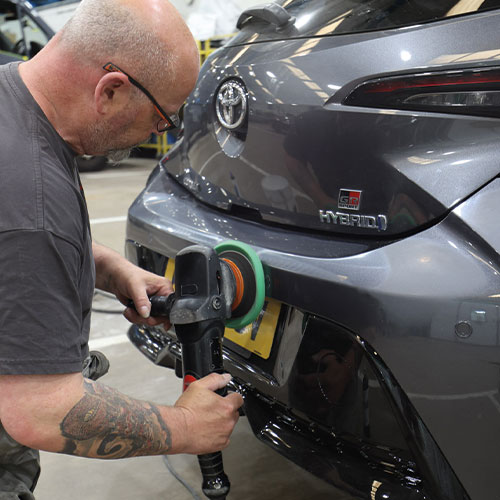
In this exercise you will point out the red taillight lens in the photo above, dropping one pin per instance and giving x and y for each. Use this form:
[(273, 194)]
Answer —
[(470, 92)]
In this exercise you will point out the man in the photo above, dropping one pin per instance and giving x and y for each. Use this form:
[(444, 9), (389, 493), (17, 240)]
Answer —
[(84, 93)]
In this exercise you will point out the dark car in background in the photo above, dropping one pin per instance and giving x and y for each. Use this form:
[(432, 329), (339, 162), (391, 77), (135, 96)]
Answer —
[(22, 31), (354, 144)]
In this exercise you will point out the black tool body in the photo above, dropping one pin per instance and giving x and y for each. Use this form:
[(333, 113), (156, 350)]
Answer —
[(198, 313), (205, 292)]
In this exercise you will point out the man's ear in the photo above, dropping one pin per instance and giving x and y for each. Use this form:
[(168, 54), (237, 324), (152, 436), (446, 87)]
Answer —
[(112, 93)]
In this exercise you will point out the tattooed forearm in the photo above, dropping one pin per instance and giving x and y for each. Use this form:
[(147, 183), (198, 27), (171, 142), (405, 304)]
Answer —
[(108, 424)]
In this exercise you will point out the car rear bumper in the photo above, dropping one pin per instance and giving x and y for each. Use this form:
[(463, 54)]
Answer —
[(423, 310)]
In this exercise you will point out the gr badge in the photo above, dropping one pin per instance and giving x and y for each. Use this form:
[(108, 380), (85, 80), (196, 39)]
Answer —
[(349, 199)]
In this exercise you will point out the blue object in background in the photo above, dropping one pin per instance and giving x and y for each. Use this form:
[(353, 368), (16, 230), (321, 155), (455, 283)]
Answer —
[(36, 3)]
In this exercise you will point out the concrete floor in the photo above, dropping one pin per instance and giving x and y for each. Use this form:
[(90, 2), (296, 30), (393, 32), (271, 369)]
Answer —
[(255, 471)]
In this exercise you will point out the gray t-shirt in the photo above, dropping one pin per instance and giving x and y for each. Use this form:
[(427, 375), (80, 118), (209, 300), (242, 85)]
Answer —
[(47, 272)]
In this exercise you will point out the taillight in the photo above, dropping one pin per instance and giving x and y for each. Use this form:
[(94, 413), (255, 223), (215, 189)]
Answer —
[(470, 92)]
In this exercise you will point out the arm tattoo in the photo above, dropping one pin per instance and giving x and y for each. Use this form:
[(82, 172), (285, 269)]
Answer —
[(108, 424)]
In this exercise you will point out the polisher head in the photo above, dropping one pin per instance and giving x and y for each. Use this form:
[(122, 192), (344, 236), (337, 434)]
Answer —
[(248, 273)]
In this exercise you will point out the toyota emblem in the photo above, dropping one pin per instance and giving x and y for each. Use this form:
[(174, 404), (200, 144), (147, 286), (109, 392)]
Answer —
[(231, 104)]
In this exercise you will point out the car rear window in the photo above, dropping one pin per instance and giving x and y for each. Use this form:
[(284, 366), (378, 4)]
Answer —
[(335, 17), (321, 17)]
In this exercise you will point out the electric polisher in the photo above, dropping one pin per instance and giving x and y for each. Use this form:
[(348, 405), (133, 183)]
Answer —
[(214, 288)]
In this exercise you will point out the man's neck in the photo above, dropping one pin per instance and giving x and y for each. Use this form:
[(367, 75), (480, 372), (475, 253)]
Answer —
[(49, 89)]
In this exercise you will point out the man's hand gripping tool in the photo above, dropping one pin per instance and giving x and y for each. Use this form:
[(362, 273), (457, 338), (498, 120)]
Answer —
[(213, 288)]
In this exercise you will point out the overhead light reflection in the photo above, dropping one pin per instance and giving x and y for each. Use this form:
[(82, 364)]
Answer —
[(464, 6), (467, 56), (422, 161), (405, 55), (334, 23), (238, 55), (303, 20), (375, 486)]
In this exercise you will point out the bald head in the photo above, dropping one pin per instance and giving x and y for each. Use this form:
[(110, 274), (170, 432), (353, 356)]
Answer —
[(96, 110), (148, 38)]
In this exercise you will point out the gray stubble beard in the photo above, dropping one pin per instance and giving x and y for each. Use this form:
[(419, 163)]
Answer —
[(100, 137)]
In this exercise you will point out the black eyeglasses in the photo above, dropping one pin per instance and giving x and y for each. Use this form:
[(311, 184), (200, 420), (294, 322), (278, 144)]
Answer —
[(167, 122)]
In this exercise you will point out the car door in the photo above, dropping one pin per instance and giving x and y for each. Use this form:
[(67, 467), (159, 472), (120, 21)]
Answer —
[(22, 32)]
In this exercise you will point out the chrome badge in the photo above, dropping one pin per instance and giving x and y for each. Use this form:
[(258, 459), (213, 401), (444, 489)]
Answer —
[(231, 104), (377, 222)]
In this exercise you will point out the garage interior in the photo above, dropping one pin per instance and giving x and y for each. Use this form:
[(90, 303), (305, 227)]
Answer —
[(418, 257)]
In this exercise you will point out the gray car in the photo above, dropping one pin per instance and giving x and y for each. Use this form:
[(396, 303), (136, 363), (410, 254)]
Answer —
[(355, 145)]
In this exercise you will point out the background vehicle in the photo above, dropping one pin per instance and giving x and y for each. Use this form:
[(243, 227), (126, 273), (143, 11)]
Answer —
[(354, 145), (22, 31)]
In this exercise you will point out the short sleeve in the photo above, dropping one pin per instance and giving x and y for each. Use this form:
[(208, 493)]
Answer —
[(40, 306)]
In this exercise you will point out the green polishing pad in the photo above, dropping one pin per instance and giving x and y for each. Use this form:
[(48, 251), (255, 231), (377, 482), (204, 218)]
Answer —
[(255, 284)]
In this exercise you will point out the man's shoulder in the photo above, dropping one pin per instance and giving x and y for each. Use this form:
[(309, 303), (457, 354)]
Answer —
[(39, 190), (12, 90)]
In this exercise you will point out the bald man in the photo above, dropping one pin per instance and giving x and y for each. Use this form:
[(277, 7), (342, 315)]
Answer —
[(115, 74)]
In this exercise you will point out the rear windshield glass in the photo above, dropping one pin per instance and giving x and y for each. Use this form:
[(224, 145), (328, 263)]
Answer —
[(324, 17)]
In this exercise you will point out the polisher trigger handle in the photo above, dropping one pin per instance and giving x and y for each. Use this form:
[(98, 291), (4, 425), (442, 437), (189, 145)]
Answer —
[(161, 305)]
